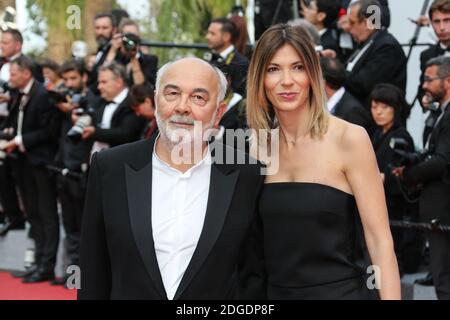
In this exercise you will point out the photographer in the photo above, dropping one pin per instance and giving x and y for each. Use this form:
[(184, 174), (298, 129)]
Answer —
[(388, 106), (431, 172), (72, 157), (104, 30), (114, 122), (125, 49)]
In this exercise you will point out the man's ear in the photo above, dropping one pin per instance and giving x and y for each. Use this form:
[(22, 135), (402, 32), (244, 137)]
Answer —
[(447, 84), (226, 37), (321, 16), (220, 111)]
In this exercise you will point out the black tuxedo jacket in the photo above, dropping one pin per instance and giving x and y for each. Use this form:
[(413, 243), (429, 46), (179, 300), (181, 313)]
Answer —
[(126, 126), (117, 254), (384, 61), (433, 174), (351, 110), (40, 128)]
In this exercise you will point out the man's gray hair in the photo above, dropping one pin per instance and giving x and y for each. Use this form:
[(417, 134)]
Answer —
[(117, 70), (443, 65), (222, 80)]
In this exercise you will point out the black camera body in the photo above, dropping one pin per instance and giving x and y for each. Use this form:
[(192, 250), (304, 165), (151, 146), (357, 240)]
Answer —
[(130, 42), (404, 157), (86, 118), (4, 86)]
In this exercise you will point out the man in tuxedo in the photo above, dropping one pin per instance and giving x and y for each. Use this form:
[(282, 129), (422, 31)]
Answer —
[(341, 103), (114, 122), (104, 30), (432, 173), (33, 125), (10, 48), (221, 35), (159, 223), (379, 58)]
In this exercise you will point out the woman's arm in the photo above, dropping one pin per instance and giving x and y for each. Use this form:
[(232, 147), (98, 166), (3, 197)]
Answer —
[(363, 175)]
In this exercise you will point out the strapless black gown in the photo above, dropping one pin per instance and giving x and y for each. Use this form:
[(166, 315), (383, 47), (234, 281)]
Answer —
[(310, 243)]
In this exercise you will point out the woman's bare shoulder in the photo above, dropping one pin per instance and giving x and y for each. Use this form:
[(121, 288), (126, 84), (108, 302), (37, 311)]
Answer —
[(349, 136)]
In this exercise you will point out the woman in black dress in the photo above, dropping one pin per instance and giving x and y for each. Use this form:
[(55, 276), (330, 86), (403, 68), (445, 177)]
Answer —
[(389, 108), (327, 173)]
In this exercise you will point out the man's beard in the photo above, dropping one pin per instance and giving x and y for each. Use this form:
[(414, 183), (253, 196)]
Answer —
[(173, 135), (439, 95), (102, 41)]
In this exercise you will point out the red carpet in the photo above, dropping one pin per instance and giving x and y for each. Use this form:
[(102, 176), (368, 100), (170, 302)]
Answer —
[(13, 289)]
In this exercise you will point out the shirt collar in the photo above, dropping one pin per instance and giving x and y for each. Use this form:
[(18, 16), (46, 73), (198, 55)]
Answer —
[(14, 56), (322, 32), (335, 98), (224, 54), (120, 97), (160, 164)]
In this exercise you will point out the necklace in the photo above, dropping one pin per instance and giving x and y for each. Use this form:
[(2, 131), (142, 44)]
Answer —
[(293, 142)]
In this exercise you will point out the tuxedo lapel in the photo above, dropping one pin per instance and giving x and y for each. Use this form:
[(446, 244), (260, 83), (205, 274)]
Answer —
[(139, 190), (220, 195)]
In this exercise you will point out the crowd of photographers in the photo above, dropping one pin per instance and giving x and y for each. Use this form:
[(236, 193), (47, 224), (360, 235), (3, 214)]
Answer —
[(54, 117)]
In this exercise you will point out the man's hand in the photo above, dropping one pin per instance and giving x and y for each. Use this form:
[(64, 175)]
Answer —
[(328, 53), (4, 98), (427, 100), (398, 172), (88, 132), (10, 146), (65, 106)]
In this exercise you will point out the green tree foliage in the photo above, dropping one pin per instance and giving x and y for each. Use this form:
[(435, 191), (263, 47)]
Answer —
[(186, 22)]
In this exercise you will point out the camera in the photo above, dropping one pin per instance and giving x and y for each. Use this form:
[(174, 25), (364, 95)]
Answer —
[(404, 157), (130, 42), (4, 87), (85, 113), (86, 118)]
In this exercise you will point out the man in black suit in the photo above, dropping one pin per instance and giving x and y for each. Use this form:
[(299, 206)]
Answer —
[(11, 43), (159, 223), (380, 58), (438, 13), (432, 173), (323, 15), (114, 122), (104, 29), (32, 123), (341, 103), (221, 35)]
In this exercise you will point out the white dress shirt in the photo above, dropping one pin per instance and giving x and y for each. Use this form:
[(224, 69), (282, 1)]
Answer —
[(107, 117), (179, 203), (334, 99), (26, 92), (224, 54), (4, 76)]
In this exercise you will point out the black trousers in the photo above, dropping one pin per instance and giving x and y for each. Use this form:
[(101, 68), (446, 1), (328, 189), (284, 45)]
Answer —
[(8, 194), (440, 263), (71, 192), (38, 190)]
